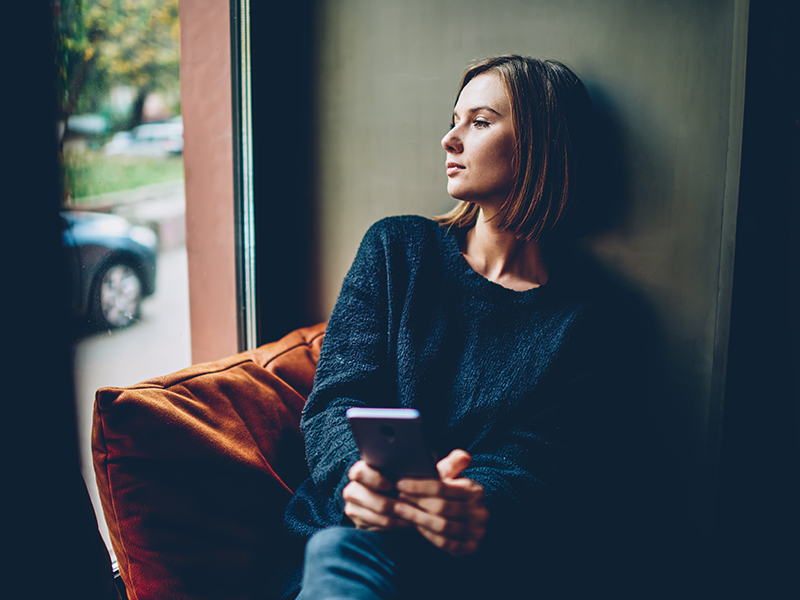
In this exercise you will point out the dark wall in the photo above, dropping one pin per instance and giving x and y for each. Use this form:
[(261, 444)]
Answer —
[(759, 504), (55, 547)]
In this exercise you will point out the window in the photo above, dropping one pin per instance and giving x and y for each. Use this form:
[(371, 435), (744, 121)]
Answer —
[(123, 200)]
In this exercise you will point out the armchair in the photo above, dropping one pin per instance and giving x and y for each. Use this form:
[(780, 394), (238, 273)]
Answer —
[(195, 469)]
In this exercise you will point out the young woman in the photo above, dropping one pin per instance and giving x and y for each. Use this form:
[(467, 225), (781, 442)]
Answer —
[(483, 322)]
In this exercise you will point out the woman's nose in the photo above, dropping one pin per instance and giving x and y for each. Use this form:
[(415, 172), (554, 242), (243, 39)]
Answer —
[(451, 141)]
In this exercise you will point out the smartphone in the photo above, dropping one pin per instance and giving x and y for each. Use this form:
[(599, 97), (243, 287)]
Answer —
[(390, 440)]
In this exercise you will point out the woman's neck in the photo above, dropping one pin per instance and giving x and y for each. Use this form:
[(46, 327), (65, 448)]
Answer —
[(502, 258)]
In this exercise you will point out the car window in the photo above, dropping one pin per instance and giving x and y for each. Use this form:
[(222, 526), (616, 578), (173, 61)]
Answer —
[(123, 201)]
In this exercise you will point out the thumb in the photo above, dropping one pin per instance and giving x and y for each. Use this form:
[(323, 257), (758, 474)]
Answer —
[(451, 465)]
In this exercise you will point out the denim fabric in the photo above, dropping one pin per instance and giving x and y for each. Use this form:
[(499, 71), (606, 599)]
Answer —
[(343, 562), (354, 564)]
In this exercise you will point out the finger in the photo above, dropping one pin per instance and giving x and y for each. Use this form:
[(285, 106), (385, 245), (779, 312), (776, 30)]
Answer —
[(457, 489), (452, 537), (366, 475), (357, 493), (473, 526), (455, 510), (364, 518), (368, 509), (453, 464), (458, 511), (447, 528)]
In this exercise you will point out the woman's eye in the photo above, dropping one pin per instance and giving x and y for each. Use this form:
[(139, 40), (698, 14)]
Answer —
[(480, 124)]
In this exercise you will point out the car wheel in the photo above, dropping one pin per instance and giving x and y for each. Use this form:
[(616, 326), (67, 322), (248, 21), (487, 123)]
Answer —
[(117, 296)]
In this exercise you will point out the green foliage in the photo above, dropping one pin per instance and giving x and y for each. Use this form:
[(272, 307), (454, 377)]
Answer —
[(102, 43), (87, 174), (141, 42)]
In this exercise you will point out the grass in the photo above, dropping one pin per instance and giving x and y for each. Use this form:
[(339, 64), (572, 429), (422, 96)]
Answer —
[(88, 173)]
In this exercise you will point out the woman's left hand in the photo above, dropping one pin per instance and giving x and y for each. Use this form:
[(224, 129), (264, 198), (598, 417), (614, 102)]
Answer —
[(449, 512)]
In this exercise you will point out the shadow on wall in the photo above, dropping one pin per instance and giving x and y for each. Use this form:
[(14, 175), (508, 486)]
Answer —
[(608, 199), (657, 420), (674, 384)]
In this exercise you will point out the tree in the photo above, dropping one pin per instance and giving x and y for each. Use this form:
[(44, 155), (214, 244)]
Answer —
[(115, 42)]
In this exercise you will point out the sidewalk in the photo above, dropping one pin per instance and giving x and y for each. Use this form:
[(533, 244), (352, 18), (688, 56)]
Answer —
[(160, 206)]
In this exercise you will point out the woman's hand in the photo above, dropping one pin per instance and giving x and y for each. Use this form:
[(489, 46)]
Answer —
[(448, 512), (365, 501)]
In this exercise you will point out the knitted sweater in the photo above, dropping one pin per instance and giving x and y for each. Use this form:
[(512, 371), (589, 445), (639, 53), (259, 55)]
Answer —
[(523, 381)]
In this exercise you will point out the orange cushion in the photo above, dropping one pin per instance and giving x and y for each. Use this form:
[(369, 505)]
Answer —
[(195, 469)]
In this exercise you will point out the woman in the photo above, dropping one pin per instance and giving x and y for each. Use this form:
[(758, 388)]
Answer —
[(482, 322)]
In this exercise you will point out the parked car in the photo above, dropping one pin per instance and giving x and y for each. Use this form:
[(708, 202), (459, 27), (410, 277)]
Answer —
[(112, 267), (148, 139)]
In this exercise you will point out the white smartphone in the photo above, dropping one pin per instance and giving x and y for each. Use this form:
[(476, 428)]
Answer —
[(390, 440)]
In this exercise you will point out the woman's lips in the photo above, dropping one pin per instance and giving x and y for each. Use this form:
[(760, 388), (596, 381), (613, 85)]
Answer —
[(453, 168)]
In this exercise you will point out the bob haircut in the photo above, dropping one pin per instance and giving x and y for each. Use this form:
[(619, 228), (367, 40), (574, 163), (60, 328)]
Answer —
[(551, 114)]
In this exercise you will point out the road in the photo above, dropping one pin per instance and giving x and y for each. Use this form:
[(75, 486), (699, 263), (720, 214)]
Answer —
[(158, 344)]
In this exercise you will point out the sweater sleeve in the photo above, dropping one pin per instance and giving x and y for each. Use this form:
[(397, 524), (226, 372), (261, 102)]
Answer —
[(352, 369)]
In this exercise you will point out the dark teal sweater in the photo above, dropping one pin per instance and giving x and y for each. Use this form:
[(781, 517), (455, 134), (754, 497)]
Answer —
[(530, 383)]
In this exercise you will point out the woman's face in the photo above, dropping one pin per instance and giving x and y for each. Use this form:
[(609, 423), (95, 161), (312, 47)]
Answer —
[(480, 146)]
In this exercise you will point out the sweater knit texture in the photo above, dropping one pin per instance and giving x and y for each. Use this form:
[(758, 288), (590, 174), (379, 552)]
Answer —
[(526, 382)]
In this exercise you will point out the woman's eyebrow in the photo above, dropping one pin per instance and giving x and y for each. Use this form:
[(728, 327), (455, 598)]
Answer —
[(479, 108)]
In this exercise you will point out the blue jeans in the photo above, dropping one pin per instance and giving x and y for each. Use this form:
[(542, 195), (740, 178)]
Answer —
[(343, 562), (348, 563)]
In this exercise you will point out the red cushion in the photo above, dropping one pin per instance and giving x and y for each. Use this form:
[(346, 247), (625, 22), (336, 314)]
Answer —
[(195, 469)]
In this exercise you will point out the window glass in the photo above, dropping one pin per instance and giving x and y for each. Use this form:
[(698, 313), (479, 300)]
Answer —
[(123, 204)]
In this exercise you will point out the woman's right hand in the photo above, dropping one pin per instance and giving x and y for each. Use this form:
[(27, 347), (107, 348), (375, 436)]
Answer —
[(366, 502)]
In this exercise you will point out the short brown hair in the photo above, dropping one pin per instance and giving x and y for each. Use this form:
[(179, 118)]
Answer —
[(551, 111)]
